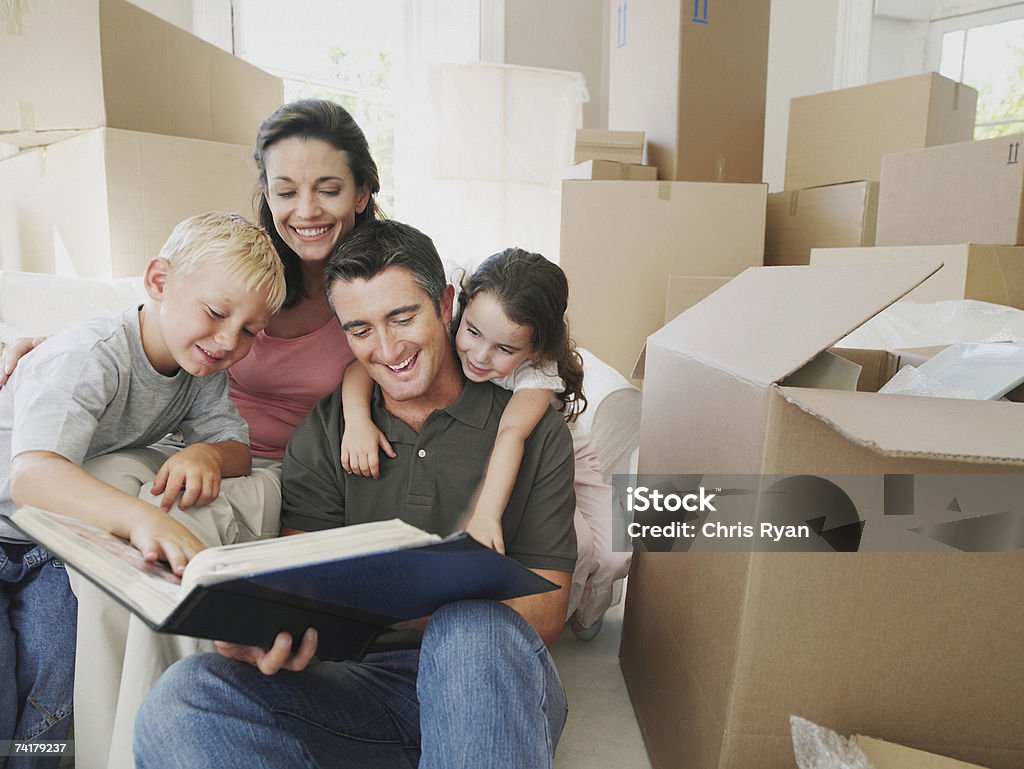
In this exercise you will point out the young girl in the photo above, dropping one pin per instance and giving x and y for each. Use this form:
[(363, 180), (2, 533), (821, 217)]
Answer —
[(511, 330)]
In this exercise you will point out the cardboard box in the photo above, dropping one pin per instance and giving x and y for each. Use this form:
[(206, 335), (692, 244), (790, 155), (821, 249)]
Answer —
[(731, 352), (618, 146), (837, 215), (684, 291), (719, 649), (609, 169), (841, 136), (91, 63), (971, 192), (102, 204), (985, 273), (621, 241), (693, 77)]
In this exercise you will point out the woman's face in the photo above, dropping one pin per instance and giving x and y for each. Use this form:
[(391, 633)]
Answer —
[(312, 195)]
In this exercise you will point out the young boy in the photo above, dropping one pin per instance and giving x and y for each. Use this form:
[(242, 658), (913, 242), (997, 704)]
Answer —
[(109, 384)]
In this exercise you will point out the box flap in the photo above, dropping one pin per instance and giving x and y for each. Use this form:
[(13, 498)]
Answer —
[(920, 427), (890, 755), (769, 321)]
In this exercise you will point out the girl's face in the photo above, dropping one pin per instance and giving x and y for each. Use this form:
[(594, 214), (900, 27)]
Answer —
[(312, 195), (490, 345)]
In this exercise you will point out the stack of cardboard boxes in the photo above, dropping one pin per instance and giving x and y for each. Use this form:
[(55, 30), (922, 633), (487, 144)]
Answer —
[(129, 125), (719, 649), (696, 86), (834, 153), (962, 203)]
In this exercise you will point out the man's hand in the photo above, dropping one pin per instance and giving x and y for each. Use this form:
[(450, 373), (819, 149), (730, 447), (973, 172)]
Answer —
[(15, 352), (160, 537), (277, 657), (194, 472)]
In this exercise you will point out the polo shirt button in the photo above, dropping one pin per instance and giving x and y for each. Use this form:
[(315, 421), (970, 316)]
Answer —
[(421, 453)]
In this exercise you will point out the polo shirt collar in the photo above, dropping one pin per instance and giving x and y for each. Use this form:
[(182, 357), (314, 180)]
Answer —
[(472, 408)]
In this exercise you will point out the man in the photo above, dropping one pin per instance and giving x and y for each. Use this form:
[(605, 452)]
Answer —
[(481, 689)]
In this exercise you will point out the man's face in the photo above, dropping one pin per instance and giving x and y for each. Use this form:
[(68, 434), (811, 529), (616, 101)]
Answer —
[(395, 332)]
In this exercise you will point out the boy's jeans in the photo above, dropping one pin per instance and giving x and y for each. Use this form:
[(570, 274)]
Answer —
[(481, 693), (37, 649)]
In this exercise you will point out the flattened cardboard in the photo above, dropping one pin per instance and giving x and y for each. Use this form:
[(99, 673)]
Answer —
[(622, 240), (986, 273), (821, 217), (611, 169), (693, 78), (616, 146), (131, 70), (842, 136), (970, 192), (101, 204)]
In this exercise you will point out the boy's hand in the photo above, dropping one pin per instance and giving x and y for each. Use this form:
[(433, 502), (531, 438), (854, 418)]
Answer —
[(359, 445), (160, 537), (486, 530), (194, 472)]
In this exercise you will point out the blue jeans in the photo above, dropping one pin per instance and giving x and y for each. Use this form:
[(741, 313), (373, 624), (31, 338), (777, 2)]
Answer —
[(481, 692), (37, 650)]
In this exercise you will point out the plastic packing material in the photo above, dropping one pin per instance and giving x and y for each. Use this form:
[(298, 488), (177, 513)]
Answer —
[(910, 381), (816, 747), (912, 324)]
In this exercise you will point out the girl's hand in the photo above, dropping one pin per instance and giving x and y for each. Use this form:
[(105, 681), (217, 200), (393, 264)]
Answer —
[(486, 530), (160, 537), (194, 472), (359, 449)]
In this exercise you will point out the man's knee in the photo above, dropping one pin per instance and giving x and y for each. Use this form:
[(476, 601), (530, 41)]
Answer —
[(167, 709), (476, 631)]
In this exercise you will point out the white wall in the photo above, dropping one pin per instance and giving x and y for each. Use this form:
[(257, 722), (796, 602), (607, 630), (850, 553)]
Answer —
[(178, 12), (801, 61), (565, 34)]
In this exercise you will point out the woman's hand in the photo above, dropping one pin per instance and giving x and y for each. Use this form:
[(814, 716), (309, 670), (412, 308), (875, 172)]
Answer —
[(15, 352)]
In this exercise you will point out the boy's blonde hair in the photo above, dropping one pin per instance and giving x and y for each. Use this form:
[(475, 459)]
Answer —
[(230, 241)]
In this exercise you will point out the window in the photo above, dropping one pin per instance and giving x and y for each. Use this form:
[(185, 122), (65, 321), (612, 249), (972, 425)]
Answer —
[(985, 50)]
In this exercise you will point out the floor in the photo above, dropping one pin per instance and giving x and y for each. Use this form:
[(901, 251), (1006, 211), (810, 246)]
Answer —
[(601, 730)]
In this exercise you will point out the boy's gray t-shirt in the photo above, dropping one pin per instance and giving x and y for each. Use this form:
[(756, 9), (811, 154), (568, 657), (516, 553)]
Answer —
[(91, 390)]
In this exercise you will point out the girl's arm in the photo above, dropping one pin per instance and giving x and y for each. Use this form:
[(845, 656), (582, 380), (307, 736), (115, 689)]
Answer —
[(522, 414), (361, 438)]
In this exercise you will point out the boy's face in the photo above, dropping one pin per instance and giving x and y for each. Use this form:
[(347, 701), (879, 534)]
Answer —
[(207, 319)]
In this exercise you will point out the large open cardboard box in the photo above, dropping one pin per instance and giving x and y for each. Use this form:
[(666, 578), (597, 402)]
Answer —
[(970, 192), (821, 217), (841, 136), (986, 273), (621, 240), (719, 649), (693, 77), (89, 63), (101, 204)]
